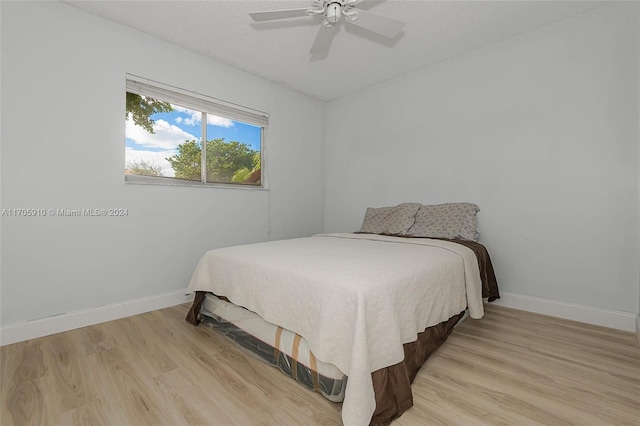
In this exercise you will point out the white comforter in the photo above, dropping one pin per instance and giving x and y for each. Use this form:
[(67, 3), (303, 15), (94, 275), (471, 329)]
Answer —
[(356, 298)]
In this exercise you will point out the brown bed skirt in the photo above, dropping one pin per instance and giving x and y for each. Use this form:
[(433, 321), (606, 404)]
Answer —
[(392, 385)]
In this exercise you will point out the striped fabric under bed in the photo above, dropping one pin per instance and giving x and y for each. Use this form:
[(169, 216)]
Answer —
[(278, 346)]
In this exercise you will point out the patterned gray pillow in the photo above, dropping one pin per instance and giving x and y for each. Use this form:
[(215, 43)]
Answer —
[(450, 220), (390, 220)]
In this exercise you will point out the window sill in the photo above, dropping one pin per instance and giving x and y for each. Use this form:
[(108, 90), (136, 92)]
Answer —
[(160, 181)]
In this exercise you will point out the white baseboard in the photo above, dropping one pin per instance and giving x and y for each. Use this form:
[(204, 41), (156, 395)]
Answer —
[(19, 332), (588, 314)]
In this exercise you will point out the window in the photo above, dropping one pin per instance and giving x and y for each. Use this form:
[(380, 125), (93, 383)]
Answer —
[(177, 137)]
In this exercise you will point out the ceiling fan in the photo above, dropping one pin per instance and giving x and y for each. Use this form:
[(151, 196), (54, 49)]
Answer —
[(333, 11)]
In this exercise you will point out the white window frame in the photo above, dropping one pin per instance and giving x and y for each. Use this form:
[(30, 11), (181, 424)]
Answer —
[(204, 104)]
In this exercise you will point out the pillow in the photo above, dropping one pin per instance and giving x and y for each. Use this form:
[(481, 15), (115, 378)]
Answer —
[(390, 220), (450, 220)]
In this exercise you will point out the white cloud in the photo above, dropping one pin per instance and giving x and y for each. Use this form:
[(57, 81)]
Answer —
[(157, 158), (166, 136), (196, 118), (214, 120)]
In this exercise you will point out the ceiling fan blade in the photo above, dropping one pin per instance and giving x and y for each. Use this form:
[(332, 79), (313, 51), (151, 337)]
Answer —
[(323, 39), (271, 15), (382, 25)]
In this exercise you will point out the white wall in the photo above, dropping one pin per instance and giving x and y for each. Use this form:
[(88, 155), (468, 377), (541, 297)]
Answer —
[(62, 132), (540, 130)]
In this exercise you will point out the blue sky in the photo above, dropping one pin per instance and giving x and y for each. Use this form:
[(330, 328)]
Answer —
[(173, 128)]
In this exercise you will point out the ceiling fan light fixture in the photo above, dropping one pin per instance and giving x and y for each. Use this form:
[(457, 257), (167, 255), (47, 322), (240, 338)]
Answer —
[(334, 12)]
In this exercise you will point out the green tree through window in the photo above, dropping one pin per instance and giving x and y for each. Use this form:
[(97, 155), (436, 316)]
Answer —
[(224, 160)]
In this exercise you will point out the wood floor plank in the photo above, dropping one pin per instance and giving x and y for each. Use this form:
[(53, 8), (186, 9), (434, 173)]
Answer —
[(67, 372), (23, 404), (510, 368)]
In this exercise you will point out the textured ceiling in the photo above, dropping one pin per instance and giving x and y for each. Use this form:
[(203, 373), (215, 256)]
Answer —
[(279, 50)]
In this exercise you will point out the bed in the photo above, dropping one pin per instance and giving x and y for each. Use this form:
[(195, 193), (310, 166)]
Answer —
[(374, 305)]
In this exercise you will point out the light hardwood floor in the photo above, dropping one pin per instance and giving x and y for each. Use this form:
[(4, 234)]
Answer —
[(510, 368)]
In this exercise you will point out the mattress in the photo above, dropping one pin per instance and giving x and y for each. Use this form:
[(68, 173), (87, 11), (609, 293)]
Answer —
[(280, 347)]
